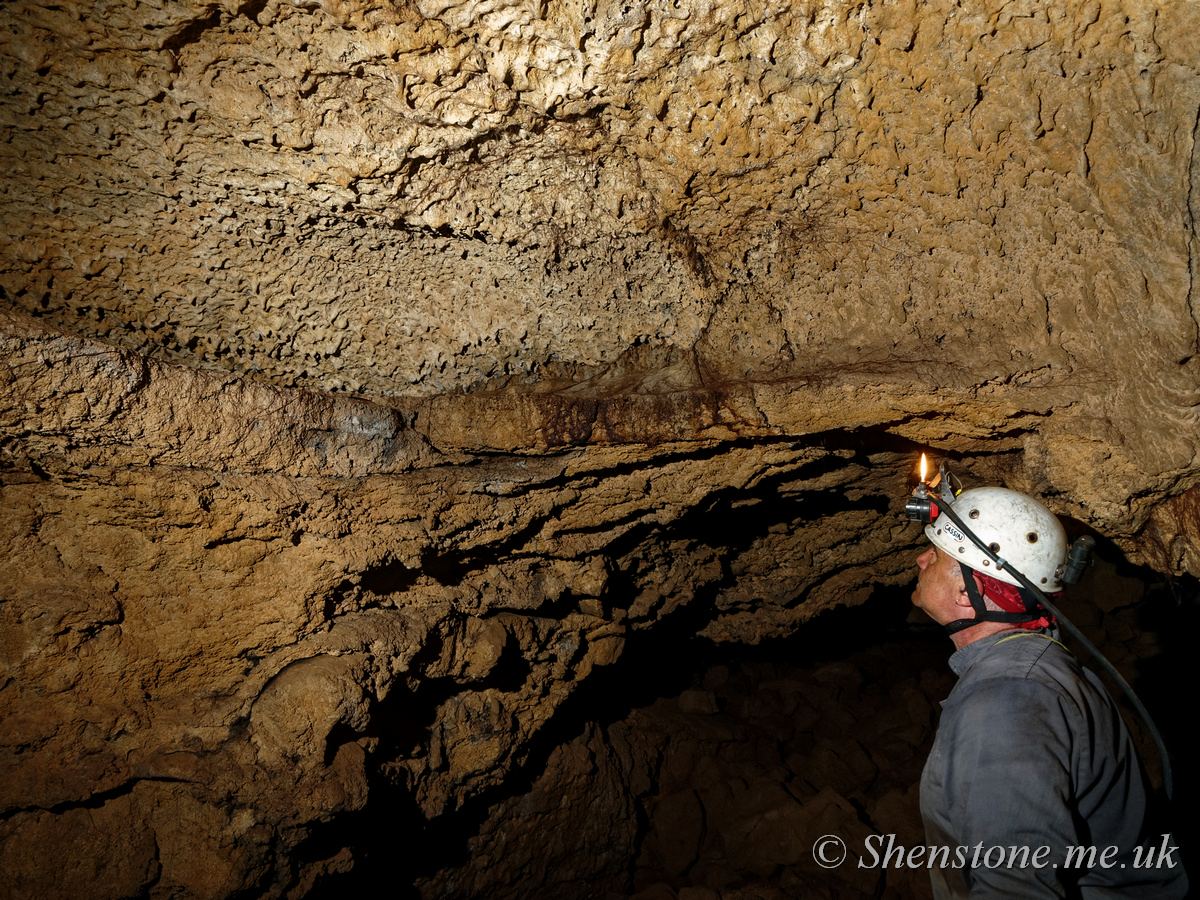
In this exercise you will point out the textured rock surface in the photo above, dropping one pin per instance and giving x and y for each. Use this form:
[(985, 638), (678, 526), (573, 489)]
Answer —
[(245, 601), (432, 197), (371, 371)]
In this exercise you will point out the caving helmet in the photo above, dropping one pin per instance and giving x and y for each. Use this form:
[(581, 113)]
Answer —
[(1015, 527)]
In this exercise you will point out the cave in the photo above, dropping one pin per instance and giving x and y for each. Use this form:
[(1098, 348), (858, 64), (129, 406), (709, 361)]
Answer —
[(459, 449)]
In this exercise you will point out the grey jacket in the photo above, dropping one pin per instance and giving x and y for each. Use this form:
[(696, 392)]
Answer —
[(1031, 753)]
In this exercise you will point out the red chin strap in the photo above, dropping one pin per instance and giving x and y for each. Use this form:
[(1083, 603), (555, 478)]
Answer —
[(1008, 598), (1017, 608)]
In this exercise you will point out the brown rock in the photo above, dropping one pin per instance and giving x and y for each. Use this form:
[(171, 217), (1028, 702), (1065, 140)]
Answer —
[(111, 852), (677, 825), (372, 372), (699, 703)]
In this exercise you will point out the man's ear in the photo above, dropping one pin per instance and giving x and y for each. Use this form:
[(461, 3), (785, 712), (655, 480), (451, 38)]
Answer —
[(962, 598)]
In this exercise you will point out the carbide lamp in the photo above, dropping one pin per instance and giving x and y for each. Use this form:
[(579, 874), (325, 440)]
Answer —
[(922, 505)]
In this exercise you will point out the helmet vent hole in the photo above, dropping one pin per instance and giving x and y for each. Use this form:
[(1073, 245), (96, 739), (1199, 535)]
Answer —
[(939, 531), (1043, 581), (974, 514), (994, 547), (1031, 537)]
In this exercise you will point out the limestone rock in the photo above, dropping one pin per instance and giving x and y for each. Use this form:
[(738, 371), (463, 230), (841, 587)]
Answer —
[(372, 372)]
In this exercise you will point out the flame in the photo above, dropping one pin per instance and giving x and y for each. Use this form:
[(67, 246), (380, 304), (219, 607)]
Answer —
[(922, 466)]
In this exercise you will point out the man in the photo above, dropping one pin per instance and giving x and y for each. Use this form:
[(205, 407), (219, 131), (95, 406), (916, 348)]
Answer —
[(1031, 751)]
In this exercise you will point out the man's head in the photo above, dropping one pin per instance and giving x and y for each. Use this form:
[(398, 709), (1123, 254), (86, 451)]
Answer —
[(1016, 528)]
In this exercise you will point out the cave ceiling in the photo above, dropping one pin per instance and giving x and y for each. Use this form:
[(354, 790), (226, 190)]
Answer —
[(980, 210), (356, 351)]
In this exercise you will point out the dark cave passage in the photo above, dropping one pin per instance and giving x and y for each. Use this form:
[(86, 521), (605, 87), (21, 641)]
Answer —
[(701, 771)]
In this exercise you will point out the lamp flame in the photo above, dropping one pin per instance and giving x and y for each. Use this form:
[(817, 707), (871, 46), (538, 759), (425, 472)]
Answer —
[(923, 467)]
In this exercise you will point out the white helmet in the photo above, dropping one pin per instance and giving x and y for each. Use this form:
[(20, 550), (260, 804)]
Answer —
[(1017, 528)]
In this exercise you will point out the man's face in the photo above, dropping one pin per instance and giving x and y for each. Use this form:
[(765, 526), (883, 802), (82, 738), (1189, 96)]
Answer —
[(940, 591)]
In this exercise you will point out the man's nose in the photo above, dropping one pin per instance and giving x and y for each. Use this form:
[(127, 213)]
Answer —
[(924, 558)]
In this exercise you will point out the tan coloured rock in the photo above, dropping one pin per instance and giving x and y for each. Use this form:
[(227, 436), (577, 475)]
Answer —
[(995, 198), (371, 370)]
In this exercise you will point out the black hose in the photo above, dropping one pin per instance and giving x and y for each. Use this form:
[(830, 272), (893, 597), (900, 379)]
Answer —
[(1168, 782)]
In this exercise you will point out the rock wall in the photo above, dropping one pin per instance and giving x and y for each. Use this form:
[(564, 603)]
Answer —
[(238, 598), (371, 371), (721, 792)]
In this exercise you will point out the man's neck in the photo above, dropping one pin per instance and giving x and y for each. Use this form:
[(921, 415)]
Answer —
[(978, 632)]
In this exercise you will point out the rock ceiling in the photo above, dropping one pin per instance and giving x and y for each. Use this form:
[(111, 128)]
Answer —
[(411, 356)]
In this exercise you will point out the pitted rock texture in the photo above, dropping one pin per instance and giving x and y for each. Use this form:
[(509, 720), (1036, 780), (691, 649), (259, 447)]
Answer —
[(240, 605), (372, 370), (437, 196)]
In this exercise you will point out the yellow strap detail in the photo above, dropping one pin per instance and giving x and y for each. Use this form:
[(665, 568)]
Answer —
[(1031, 634)]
